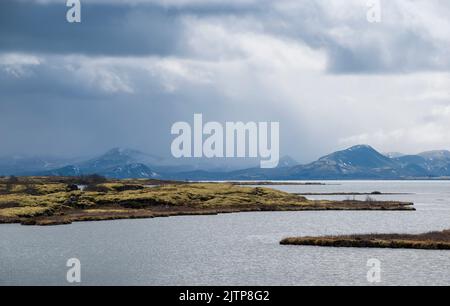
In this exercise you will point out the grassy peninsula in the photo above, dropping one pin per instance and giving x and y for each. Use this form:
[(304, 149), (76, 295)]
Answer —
[(60, 200), (426, 241)]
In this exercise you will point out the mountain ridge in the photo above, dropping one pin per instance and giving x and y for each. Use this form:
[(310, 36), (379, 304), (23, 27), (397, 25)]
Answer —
[(356, 162)]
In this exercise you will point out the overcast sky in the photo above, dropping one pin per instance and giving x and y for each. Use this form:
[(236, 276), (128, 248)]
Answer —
[(132, 68)]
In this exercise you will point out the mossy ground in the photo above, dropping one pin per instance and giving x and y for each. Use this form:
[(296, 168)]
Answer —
[(35, 200)]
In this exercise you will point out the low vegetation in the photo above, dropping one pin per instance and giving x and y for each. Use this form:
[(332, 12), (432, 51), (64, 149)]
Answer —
[(58, 200), (427, 241), (272, 183)]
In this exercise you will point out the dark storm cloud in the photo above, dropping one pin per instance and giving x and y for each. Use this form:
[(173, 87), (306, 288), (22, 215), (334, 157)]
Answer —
[(113, 30), (106, 29), (137, 28)]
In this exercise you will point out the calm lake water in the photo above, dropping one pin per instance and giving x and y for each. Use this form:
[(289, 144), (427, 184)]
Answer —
[(236, 249)]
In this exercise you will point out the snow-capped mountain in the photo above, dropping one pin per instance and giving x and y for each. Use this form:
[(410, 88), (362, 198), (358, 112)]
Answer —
[(116, 163), (358, 162)]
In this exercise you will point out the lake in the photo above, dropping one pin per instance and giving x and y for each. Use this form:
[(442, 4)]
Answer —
[(236, 249)]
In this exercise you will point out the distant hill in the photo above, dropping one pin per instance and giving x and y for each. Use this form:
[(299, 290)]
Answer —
[(116, 163), (64, 171), (357, 162), (393, 154), (130, 171), (118, 157), (287, 161), (127, 163), (26, 165), (436, 155), (360, 162)]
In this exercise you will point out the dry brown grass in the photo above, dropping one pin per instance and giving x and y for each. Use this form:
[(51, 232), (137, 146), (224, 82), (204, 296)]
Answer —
[(430, 241)]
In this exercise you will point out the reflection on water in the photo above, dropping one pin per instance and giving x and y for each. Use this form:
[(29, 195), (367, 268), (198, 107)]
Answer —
[(235, 249)]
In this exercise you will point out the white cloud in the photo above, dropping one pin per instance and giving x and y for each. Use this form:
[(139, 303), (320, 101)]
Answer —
[(18, 65), (225, 40)]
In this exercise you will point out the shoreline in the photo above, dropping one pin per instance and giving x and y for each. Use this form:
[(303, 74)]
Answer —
[(38, 201), (116, 213)]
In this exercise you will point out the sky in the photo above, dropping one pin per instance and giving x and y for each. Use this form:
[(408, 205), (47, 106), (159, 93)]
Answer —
[(132, 68)]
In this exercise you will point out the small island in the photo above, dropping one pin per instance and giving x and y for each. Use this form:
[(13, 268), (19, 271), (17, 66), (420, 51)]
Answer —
[(427, 241), (277, 183), (348, 193), (63, 200)]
